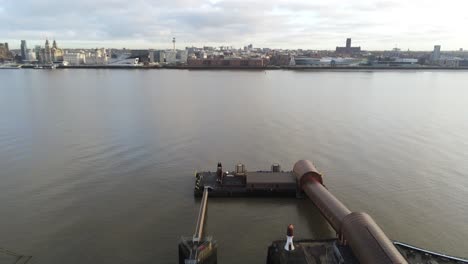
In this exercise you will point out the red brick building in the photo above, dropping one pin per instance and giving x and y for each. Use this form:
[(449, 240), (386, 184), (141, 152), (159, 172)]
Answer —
[(228, 63)]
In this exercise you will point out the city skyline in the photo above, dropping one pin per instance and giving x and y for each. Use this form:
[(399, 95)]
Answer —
[(172, 45), (321, 25)]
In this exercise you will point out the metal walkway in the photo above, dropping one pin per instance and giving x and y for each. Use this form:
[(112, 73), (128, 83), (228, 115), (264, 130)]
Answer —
[(15, 257), (198, 235)]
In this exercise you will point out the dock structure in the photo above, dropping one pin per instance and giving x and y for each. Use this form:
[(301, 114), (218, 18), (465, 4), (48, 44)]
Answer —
[(241, 182), (359, 239), (358, 230), (199, 249)]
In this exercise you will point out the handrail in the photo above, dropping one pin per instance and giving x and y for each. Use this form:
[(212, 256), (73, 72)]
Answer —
[(198, 235)]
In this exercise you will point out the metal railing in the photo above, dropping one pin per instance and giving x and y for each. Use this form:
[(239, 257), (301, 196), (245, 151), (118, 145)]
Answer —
[(198, 235), (17, 258)]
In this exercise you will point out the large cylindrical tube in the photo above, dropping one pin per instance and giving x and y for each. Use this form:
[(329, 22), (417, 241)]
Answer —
[(310, 181), (368, 242), (330, 207)]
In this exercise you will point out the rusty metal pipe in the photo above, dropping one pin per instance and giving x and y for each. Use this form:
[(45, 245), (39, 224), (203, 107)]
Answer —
[(368, 242), (330, 207)]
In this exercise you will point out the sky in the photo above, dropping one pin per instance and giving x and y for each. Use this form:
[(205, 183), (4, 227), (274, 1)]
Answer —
[(288, 24)]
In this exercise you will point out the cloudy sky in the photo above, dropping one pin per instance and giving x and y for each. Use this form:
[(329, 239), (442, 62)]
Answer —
[(310, 24)]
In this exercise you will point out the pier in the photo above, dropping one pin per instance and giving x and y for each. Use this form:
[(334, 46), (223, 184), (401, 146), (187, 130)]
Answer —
[(241, 182), (358, 239)]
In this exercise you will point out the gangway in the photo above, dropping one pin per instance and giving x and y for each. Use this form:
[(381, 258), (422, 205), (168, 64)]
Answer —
[(15, 258), (199, 249), (198, 235)]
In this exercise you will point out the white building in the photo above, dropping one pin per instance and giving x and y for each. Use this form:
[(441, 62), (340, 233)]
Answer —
[(304, 61), (74, 58), (31, 55), (406, 61), (125, 62), (97, 57), (171, 56), (203, 55)]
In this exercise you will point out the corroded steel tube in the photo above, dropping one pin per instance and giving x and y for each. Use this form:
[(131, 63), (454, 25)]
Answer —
[(368, 242), (330, 207)]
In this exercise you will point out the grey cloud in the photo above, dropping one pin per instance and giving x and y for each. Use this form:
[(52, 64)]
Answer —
[(295, 23)]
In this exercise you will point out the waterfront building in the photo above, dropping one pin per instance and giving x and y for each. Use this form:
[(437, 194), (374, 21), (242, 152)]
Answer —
[(74, 58), (158, 56), (47, 53), (182, 56), (394, 62), (435, 57), (96, 57), (143, 55), (31, 55), (38, 53), (449, 62), (348, 49), (42, 56), (304, 61), (463, 63), (228, 63), (203, 55), (324, 62), (332, 61), (56, 52), (124, 60), (170, 56), (24, 51), (151, 56), (281, 59), (5, 53)]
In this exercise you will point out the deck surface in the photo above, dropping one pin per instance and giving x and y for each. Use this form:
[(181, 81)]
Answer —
[(270, 177), (257, 183)]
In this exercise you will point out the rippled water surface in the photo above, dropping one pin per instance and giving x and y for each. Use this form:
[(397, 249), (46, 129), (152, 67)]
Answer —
[(96, 166)]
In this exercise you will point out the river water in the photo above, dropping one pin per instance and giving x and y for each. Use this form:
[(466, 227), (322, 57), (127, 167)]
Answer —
[(97, 166)]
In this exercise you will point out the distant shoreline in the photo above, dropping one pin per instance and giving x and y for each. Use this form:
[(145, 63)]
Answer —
[(299, 68), (291, 68)]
